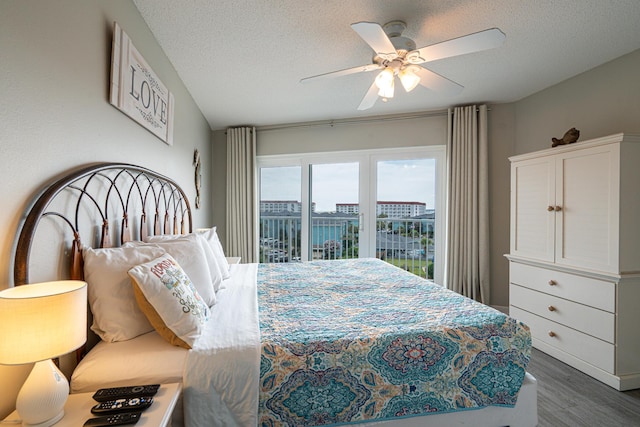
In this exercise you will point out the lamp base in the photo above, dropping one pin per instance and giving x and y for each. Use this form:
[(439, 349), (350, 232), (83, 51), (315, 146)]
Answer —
[(41, 399), (47, 423)]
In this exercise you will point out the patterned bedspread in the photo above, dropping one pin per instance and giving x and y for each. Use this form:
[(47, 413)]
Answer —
[(355, 340)]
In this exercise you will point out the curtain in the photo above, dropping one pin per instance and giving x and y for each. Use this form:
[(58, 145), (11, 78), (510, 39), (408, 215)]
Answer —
[(241, 189), (467, 262)]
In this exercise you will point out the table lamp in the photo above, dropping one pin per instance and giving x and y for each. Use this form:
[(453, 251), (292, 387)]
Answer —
[(39, 322)]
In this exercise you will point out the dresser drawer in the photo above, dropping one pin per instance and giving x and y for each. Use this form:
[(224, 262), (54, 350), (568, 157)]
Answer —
[(591, 321), (592, 350), (585, 290)]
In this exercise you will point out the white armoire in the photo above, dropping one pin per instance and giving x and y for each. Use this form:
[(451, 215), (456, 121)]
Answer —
[(574, 261)]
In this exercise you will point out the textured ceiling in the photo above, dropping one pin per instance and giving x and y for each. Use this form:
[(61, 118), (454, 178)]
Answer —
[(242, 60)]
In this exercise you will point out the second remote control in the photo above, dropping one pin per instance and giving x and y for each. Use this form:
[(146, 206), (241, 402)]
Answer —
[(114, 393), (113, 420), (122, 405)]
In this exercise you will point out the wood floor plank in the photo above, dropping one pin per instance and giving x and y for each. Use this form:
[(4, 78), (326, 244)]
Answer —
[(568, 397)]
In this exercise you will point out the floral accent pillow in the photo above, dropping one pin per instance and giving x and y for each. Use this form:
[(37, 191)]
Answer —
[(211, 262), (168, 298)]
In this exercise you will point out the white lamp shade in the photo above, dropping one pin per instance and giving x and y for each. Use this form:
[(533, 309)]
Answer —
[(408, 78), (387, 92), (384, 81), (42, 321), (385, 78)]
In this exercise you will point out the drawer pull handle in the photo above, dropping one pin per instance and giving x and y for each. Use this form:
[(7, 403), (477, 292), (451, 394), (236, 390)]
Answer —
[(552, 334), (550, 208), (552, 283), (558, 208), (551, 308)]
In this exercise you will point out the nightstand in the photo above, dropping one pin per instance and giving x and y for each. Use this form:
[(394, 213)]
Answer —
[(234, 260), (78, 409)]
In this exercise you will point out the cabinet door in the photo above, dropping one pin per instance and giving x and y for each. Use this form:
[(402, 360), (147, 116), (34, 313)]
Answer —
[(587, 191), (532, 193)]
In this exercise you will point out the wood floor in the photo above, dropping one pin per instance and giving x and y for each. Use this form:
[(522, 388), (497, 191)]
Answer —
[(567, 397)]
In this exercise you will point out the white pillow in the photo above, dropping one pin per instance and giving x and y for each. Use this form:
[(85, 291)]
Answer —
[(188, 252), (211, 237), (170, 300), (214, 268), (116, 316)]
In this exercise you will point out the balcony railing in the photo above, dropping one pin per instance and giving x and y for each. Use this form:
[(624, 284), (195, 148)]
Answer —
[(405, 242)]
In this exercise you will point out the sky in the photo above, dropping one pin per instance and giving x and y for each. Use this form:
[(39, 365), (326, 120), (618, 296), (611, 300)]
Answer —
[(398, 180)]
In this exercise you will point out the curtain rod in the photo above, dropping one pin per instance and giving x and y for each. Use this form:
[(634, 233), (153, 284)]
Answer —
[(354, 120), (239, 127)]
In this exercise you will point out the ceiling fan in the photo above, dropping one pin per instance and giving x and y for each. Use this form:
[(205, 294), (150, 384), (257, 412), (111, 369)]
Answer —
[(397, 56)]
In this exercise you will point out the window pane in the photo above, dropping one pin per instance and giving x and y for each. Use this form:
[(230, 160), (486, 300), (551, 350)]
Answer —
[(280, 213), (334, 230), (405, 211)]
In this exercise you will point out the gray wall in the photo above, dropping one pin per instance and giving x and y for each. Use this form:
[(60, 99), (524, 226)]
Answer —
[(602, 101), (55, 114), (219, 181), (501, 142)]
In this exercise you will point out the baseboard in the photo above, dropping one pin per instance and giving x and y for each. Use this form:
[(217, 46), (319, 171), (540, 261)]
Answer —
[(502, 308), (620, 383)]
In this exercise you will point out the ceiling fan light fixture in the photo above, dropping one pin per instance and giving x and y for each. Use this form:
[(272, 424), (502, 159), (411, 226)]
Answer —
[(386, 92), (385, 82), (385, 78), (408, 78)]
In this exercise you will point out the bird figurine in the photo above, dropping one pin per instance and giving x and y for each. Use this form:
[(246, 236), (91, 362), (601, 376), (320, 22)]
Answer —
[(569, 137)]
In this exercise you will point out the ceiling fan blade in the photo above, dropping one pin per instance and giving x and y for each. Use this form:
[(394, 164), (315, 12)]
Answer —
[(360, 69), (374, 36), (437, 83), (370, 98), (483, 40)]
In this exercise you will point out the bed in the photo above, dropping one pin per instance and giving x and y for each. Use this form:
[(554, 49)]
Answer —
[(296, 344)]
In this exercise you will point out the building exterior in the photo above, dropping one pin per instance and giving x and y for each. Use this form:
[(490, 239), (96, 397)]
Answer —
[(390, 209), (400, 209), (283, 206), (348, 208)]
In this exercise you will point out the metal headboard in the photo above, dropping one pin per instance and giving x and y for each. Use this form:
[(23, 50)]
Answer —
[(91, 197)]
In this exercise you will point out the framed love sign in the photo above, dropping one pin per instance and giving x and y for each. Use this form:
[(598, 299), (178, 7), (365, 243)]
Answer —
[(137, 91)]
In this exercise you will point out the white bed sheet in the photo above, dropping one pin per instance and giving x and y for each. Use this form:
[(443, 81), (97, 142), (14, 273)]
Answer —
[(222, 371), (147, 359)]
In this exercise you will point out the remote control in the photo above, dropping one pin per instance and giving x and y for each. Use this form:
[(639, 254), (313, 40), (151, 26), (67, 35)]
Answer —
[(115, 393), (122, 405), (113, 420)]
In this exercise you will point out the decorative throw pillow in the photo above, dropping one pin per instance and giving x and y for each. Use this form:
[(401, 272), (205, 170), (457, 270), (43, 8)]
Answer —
[(211, 237), (188, 252), (214, 269), (116, 316), (168, 298)]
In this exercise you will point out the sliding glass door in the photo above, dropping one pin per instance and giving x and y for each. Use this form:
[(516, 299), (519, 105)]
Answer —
[(406, 214), (380, 203)]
